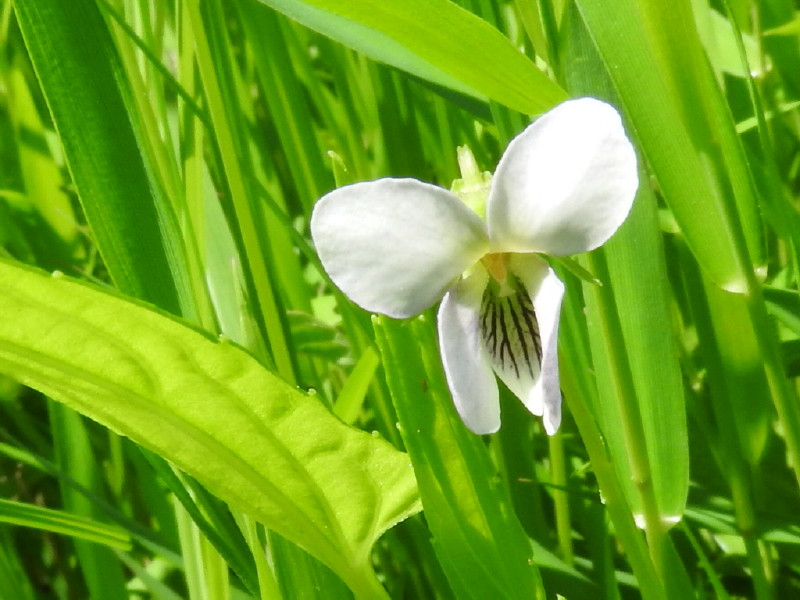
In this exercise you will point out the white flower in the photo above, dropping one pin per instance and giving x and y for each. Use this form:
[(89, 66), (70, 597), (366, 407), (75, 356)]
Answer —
[(397, 246)]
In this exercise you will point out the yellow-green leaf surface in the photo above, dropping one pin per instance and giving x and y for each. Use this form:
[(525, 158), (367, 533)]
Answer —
[(436, 40), (214, 411)]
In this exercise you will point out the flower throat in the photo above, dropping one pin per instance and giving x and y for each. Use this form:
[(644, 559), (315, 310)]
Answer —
[(509, 327)]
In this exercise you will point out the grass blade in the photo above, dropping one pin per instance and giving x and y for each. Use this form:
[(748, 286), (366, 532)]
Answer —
[(92, 108), (449, 46)]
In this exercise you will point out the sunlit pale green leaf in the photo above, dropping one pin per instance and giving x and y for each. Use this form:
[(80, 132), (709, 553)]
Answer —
[(719, 39), (211, 409)]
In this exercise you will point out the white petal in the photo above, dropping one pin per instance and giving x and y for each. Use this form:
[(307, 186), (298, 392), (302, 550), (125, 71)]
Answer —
[(466, 365), (393, 246), (565, 184), (547, 292)]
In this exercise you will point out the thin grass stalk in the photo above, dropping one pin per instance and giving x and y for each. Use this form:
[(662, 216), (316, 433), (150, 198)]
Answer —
[(558, 470), (268, 585), (617, 506), (625, 396), (230, 151)]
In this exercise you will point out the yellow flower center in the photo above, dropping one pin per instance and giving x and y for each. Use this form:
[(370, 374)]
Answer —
[(496, 265)]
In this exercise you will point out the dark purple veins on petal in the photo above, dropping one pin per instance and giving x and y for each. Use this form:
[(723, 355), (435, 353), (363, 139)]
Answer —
[(510, 330)]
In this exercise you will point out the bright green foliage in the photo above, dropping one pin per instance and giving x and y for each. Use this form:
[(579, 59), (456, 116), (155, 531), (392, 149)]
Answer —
[(174, 151), (94, 111), (266, 448), (27, 515), (634, 354), (433, 39), (480, 543)]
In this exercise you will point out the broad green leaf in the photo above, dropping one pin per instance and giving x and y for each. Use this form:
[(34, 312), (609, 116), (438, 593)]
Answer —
[(478, 539), (637, 275), (211, 409), (436, 40), (86, 89), (670, 96), (635, 290), (207, 514), (47, 519)]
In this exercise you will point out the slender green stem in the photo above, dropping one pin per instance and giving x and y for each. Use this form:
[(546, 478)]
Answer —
[(558, 469), (231, 150), (365, 585), (625, 396), (613, 495), (268, 585)]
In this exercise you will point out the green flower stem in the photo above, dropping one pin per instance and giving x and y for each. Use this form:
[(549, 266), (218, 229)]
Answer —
[(625, 396), (365, 585), (614, 498), (558, 470), (268, 586)]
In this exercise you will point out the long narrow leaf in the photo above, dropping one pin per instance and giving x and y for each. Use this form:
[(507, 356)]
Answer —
[(84, 83), (38, 517), (436, 40), (479, 541)]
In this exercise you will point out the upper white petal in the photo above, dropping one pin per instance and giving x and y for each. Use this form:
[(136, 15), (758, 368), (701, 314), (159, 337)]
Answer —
[(393, 246), (547, 292), (565, 184), (466, 366)]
